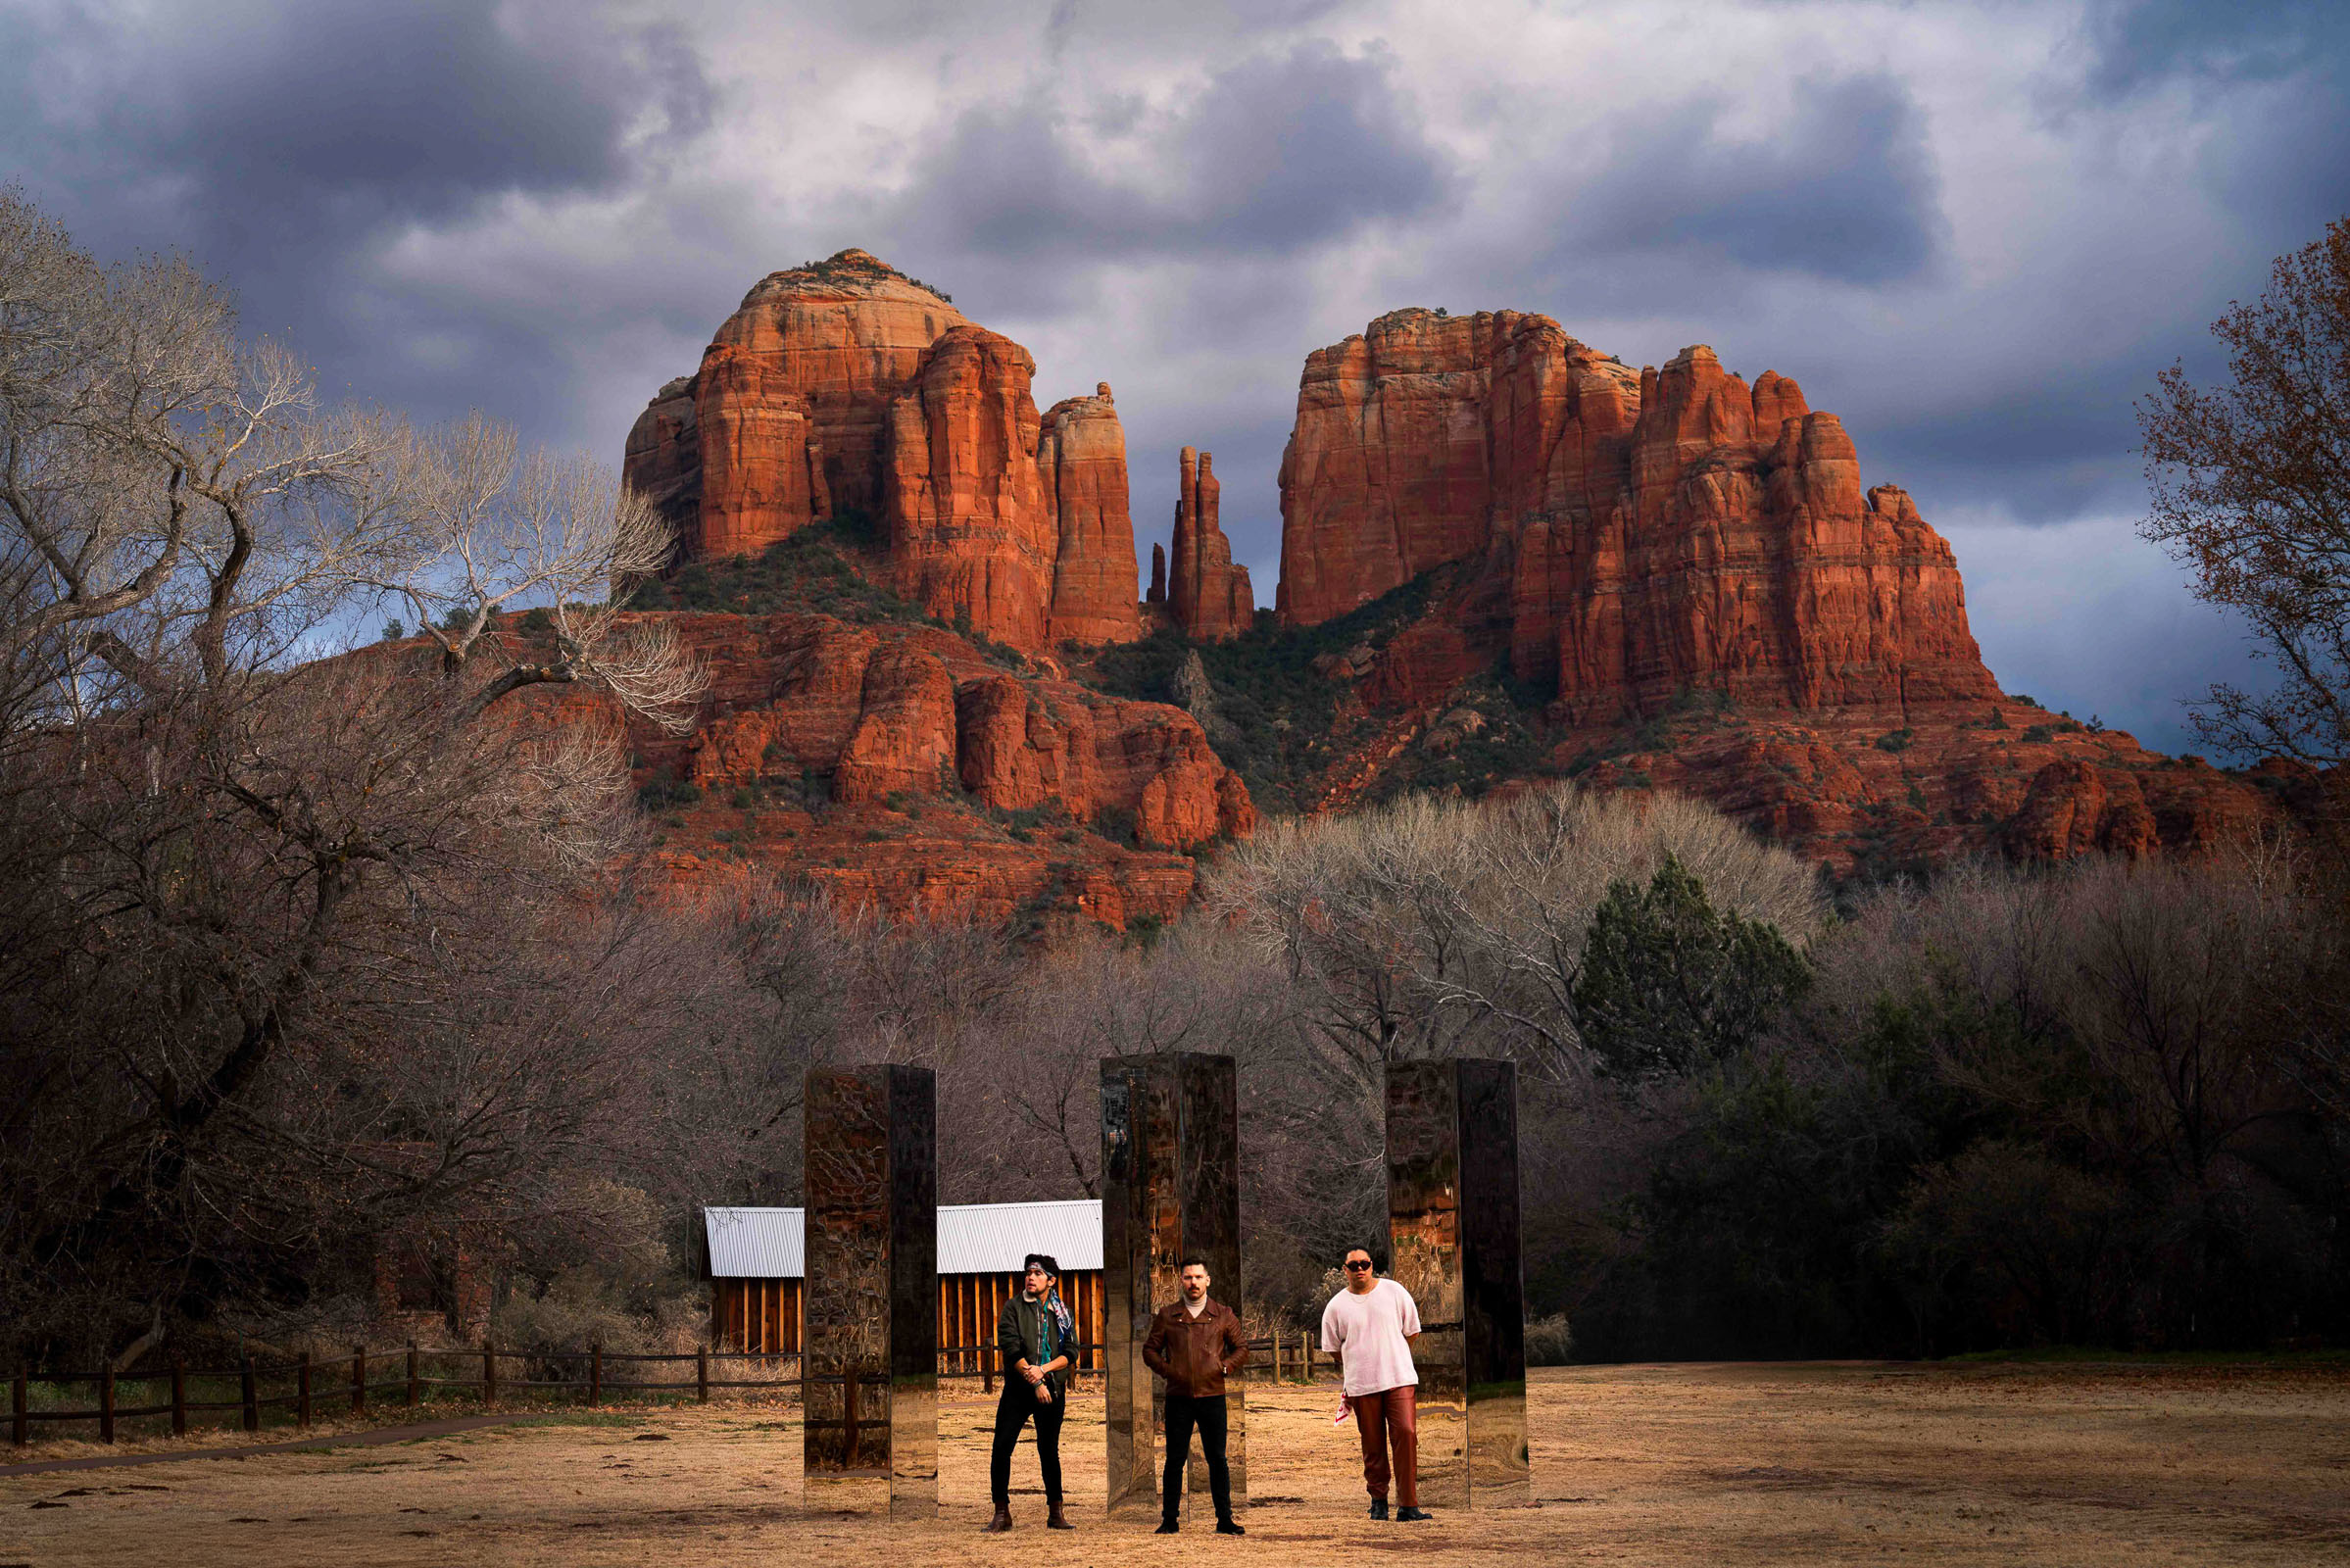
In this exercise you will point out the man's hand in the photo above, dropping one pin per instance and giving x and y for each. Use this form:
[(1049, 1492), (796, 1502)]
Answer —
[(1031, 1373)]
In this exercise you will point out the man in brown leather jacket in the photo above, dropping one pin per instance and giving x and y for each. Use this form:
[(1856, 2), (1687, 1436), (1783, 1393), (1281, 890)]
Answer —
[(1195, 1343)]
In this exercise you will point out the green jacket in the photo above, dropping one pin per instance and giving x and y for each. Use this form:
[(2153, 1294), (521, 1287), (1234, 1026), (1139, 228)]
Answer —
[(1020, 1336)]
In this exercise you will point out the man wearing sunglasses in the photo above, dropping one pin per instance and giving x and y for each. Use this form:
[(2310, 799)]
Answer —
[(1368, 1328)]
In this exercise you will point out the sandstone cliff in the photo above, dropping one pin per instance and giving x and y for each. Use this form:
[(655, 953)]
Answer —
[(845, 386), (1686, 571), (900, 765), (1210, 597), (1638, 534)]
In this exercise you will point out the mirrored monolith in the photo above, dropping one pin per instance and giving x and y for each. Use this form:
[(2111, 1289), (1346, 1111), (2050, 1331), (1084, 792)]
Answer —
[(870, 1358), (1452, 1224), (1170, 1187)]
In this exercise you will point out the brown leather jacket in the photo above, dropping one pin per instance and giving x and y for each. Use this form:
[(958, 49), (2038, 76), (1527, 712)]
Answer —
[(1196, 1354)]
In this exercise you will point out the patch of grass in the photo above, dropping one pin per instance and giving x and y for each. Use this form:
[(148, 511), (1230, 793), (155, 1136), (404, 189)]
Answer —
[(1896, 741)]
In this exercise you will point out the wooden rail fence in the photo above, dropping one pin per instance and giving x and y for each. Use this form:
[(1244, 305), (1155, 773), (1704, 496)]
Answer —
[(354, 1378)]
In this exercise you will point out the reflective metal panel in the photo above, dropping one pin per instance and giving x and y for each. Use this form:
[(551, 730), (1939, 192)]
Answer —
[(1452, 1209), (1493, 1285), (913, 1295), (1125, 1288), (1170, 1162), (1209, 1171), (872, 1330), (1423, 1175)]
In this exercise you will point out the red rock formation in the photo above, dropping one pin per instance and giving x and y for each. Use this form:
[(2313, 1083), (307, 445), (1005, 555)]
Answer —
[(1211, 598), (1081, 459), (1019, 750), (844, 384), (904, 739), (1676, 548), (1158, 576), (663, 459), (787, 411), (865, 717), (969, 534), (1658, 533)]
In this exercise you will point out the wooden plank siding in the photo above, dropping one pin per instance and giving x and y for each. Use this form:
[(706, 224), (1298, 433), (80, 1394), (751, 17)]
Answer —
[(767, 1317)]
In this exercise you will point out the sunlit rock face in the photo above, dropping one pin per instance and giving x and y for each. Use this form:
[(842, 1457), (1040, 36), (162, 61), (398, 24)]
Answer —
[(1650, 532), (844, 386), (1211, 597), (1689, 574)]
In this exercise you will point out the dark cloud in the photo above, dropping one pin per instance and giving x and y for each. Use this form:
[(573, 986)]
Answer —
[(2042, 453), (1844, 189), (2141, 43), (286, 148), (1276, 154)]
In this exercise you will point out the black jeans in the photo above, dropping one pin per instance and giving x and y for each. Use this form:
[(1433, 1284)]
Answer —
[(1209, 1416), (1012, 1412)]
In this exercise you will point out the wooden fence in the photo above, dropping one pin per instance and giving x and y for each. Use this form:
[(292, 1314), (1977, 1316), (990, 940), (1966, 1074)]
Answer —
[(356, 1379)]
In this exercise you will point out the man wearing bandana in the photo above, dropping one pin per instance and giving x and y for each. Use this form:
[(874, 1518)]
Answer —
[(1035, 1336)]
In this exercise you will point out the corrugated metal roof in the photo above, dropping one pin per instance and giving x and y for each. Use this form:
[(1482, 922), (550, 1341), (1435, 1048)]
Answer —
[(973, 1238), (758, 1244), (997, 1238)]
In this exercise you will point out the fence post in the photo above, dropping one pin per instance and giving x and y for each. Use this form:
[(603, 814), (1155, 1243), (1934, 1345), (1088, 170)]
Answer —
[(702, 1373), (302, 1392), (18, 1427), (489, 1372), (1276, 1355), (179, 1397), (358, 1380), (249, 1394), (596, 1373), (106, 1402), (1305, 1342), (411, 1374)]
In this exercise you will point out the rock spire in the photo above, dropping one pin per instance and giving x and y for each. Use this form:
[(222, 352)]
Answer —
[(1210, 597)]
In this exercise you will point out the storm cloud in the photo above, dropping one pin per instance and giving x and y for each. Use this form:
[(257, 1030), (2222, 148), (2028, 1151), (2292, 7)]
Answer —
[(1974, 230), (1841, 187)]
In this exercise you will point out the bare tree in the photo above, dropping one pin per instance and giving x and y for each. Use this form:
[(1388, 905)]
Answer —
[(162, 485), (1432, 928), (2251, 491), (494, 526)]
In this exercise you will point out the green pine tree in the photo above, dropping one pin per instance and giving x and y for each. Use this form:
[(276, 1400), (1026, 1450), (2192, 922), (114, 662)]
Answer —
[(1670, 984)]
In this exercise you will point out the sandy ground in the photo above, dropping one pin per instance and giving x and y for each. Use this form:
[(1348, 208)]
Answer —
[(1717, 1466)]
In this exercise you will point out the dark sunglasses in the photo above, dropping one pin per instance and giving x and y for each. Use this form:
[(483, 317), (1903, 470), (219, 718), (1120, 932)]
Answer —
[(1357, 1265)]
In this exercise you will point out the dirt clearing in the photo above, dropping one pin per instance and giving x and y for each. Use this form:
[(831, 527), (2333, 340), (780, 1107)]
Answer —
[(1714, 1465)]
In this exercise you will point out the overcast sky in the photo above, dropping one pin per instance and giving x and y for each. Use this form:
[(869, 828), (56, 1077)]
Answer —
[(1974, 230)]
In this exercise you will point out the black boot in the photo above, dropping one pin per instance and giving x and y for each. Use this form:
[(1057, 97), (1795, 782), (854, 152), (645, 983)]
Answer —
[(1167, 1526), (1411, 1514), (1054, 1519), (1229, 1526), (1378, 1508), (1002, 1522)]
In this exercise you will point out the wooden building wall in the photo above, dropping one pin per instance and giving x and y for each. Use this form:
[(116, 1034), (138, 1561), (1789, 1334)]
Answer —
[(766, 1317), (757, 1317)]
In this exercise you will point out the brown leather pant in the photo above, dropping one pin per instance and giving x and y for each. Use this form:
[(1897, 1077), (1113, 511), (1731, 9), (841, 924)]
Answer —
[(1390, 1419)]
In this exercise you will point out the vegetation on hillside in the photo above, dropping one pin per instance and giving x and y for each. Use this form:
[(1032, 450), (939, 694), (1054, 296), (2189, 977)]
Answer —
[(1282, 721), (827, 568)]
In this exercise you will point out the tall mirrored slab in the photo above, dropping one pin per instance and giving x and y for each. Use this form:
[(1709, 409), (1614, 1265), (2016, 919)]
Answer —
[(1453, 1229), (870, 1358), (1170, 1187)]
